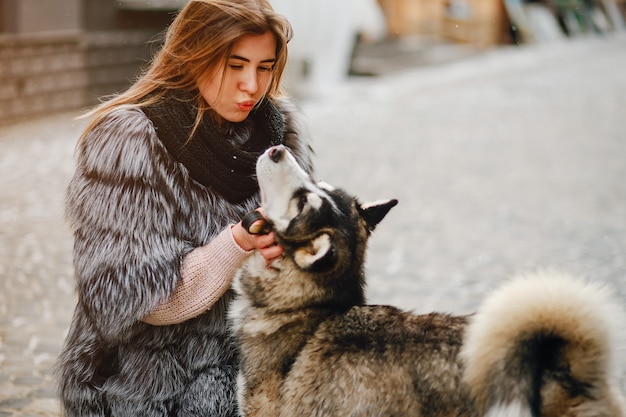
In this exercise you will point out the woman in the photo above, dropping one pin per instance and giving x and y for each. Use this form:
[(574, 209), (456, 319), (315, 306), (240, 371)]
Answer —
[(165, 172)]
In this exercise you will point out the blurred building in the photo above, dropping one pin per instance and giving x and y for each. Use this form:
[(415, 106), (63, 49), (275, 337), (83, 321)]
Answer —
[(58, 55), (325, 36), (65, 54), (480, 22), (492, 22)]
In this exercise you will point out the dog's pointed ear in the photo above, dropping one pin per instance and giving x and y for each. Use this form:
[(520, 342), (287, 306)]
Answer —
[(318, 254), (374, 212)]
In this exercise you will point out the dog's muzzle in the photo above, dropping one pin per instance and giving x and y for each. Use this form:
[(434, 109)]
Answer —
[(276, 152)]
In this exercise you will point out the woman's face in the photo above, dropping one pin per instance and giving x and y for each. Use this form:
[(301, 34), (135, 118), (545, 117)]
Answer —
[(233, 90)]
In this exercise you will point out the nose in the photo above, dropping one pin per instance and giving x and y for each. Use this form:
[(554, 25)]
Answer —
[(249, 82), (276, 153)]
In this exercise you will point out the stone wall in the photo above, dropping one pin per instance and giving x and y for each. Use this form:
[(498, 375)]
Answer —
[(44, 73)]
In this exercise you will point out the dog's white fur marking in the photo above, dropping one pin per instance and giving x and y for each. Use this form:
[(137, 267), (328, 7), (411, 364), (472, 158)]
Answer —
[(241, 387), (240, 304), (365, 206), (514, 409), (278, 180), (314, 200), (306, 257), (325, 186)]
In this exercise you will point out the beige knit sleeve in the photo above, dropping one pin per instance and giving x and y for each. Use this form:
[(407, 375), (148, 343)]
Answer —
[(206, 274)]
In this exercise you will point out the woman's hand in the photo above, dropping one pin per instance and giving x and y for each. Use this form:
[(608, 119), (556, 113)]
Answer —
[(265, 244)]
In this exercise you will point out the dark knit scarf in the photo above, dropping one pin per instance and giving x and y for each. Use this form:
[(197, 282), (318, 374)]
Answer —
[(222, 158)]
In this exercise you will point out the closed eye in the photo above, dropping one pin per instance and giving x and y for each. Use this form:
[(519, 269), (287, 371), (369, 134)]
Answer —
[(302, 201), (237, 67)]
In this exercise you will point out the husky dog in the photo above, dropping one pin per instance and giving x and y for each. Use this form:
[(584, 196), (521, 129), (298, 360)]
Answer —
[(542, 345)]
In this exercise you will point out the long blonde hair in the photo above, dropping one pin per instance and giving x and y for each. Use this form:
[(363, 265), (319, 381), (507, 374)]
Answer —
[(199, 39)]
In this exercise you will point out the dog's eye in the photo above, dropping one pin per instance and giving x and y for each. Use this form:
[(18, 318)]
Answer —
[(302, 201)]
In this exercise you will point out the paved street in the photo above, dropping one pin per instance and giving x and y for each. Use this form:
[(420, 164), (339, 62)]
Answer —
[(503, 162)]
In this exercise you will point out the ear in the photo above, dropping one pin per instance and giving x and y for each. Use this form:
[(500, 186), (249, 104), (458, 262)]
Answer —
[(318, 254), (374, 212)]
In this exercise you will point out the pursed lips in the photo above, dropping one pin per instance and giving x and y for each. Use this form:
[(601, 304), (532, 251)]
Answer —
[(246, 105)]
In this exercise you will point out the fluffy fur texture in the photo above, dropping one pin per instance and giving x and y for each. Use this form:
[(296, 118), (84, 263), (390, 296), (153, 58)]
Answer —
[(135, 213), (310, 346), (548, 326)]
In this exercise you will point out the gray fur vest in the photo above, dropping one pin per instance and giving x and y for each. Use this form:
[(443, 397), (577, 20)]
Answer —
[(135, 213)]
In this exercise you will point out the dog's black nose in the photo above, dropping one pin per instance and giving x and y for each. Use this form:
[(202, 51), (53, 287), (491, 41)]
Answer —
[(276, 153)]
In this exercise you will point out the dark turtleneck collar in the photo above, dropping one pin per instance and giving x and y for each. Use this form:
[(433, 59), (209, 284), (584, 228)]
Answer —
[(221, 158)]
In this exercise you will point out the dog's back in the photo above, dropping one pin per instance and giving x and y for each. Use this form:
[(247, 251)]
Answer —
[(379, 361)]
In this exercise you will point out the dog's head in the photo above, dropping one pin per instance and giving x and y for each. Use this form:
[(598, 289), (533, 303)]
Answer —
[(323, 230)]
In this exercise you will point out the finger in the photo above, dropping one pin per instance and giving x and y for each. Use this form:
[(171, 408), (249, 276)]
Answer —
[(258, 227), (271, 252), (263, 241), (255, 223)]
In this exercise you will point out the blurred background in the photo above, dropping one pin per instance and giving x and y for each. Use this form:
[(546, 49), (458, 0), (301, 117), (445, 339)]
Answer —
[(65, 54)]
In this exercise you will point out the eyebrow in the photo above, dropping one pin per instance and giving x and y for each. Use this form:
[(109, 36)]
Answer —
[(247, 60)]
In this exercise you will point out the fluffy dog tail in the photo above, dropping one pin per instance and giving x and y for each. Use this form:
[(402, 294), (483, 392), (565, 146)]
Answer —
[(545, 345)]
